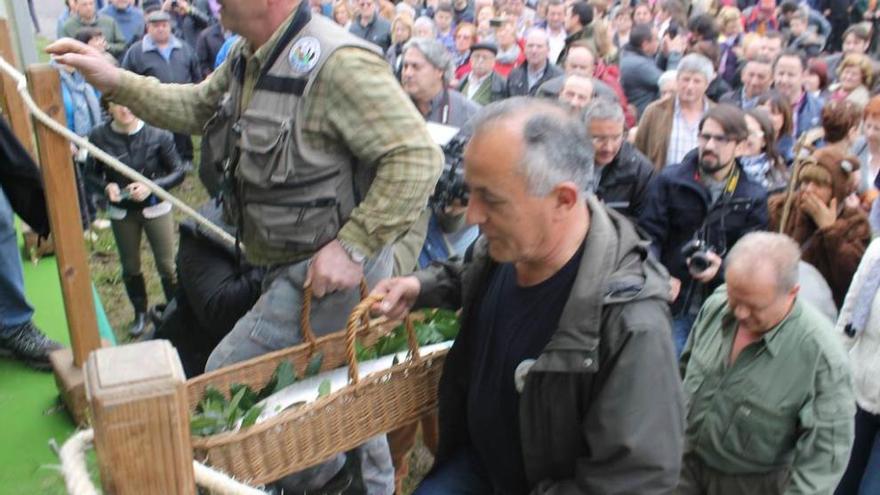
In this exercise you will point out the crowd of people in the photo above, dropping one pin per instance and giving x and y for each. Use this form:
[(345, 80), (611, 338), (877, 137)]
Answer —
[(629, 322)]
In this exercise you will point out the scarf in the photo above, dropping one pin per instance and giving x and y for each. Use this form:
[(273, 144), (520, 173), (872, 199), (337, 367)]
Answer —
[(756, 167), (508, 56), (86, 107)]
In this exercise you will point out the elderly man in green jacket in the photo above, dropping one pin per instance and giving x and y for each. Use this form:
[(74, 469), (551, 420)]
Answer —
[(770, 402)]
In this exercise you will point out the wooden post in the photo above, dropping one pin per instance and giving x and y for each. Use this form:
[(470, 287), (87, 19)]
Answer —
[(11, 102), (64, 215), (137, 394)]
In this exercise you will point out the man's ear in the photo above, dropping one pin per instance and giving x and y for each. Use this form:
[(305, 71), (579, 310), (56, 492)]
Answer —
[(567, 196)]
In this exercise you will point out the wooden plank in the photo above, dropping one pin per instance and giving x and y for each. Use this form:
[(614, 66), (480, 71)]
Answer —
[(64, 217), (10, 100), (137, 395)]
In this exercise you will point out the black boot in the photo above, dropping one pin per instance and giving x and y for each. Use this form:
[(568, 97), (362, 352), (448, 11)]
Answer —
[(169, 287), (137, 294)]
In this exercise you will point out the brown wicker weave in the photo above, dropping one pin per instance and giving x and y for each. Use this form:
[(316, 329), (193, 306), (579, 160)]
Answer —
[(307, 435)]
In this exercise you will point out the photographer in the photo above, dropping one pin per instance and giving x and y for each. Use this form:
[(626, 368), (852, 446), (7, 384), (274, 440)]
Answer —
[(696, 210)]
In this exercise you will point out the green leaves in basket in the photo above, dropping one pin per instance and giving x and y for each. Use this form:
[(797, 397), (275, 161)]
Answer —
[(314, 366), (324, 388), (214, 414)]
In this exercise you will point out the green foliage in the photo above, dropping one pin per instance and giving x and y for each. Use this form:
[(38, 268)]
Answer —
[(215, 414)]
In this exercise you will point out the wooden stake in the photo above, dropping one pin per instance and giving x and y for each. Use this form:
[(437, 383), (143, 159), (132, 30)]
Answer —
[(137, 394), (64, 215), (10, 100)]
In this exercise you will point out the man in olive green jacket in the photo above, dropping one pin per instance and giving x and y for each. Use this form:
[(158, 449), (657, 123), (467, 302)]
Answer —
[(770, 401)]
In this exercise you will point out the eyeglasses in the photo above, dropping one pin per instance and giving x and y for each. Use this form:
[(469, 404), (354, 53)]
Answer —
[(705, 137)]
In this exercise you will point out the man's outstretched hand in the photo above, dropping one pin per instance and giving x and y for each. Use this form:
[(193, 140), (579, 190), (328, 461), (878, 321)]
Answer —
[(398, 296), (91, 63)]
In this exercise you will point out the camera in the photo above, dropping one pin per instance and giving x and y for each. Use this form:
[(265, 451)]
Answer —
[(698, 252), (495, 22), (451, 186)]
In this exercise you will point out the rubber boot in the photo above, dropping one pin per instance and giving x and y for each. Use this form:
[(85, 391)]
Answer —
[(169, 287), (137, 294)]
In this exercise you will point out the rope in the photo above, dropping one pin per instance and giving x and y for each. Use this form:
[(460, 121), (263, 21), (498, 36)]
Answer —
[(21, 86), (78, 481)]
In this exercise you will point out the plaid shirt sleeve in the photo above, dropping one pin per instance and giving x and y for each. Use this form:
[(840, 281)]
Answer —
[(357, 103), (182, 108)]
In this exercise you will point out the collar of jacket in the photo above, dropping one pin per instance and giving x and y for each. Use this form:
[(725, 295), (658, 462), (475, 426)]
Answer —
[(149, 45), (614, 269), (586, 32), (772, 342)]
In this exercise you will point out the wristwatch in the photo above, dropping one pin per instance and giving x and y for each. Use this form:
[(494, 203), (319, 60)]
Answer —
[(354, 253)]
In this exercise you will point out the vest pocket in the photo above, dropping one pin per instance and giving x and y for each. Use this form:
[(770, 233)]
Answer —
[(303, 226), (765, 435), (264, 144)]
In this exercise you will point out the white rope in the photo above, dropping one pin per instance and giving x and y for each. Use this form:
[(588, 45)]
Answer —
[(73, 463), (21, 86), (78, 481)]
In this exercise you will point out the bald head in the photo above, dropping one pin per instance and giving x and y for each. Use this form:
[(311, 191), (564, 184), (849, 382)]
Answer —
[(577, 92), (581, 61), (553, 146), (767, 252)]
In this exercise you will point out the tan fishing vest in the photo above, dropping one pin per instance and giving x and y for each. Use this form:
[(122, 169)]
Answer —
[(276, 188)]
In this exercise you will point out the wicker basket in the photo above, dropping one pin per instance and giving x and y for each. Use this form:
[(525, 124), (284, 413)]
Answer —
[(310, 434)]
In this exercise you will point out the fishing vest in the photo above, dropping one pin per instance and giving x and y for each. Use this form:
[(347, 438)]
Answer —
[(279, 191)]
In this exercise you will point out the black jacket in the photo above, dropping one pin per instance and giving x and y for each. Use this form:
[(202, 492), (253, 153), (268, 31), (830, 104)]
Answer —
[(601, 410), (150, 151), (624, 182), (181, 68), (378, 31), (21, 181), (518, 79), (207, 46), (216, 287), (676, 207)]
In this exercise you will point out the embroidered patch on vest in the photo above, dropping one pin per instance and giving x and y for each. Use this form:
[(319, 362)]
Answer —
[(304, 54)]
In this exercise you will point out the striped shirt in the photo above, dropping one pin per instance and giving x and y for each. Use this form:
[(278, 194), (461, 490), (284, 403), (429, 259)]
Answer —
[(684, 135)]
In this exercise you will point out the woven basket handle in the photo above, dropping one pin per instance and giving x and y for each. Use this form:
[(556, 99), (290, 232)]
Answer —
[(360, 317), (305, 323)]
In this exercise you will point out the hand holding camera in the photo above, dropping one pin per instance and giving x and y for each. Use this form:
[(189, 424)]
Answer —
[(703, 263)]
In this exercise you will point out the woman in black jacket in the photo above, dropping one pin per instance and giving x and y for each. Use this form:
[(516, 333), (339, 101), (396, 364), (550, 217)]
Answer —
[(133, 208)]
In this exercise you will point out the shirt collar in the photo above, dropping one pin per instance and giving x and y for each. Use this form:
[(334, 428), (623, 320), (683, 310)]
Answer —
[(262, 53), (771, 340), (149, 45), (677, 107)]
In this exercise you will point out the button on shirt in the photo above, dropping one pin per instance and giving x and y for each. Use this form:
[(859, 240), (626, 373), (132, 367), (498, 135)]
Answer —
[(684, 136), (785, 403)]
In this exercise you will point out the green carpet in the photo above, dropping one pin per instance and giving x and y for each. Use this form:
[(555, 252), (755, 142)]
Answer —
[(30, 412)]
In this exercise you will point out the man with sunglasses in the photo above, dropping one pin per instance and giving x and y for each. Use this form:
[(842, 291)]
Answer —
[(695, 211)]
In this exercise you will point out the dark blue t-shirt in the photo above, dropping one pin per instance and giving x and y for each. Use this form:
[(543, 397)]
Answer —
[(513, 324)]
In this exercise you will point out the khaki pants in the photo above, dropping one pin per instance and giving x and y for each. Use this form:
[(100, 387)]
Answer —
[(699, 479)]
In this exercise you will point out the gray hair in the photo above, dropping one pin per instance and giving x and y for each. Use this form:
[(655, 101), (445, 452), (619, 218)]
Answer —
[(425, 21), (666, 77), (556, 150), (435, 53), (405, 8), (603, 109), (695, 62), (770, 249)]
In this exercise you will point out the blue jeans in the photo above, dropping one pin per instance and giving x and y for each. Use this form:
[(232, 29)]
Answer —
[(460, 475), (862, 476), (273, 324), (14, 308), (681, 329)]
